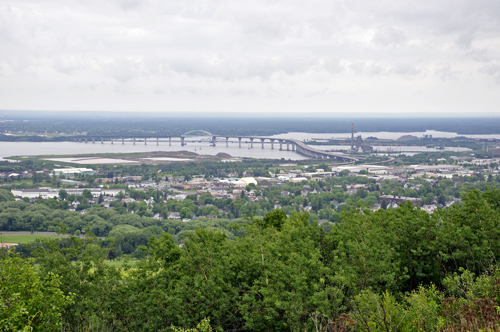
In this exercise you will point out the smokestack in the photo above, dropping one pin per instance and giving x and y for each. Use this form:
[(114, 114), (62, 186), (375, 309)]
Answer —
[(352, 137)]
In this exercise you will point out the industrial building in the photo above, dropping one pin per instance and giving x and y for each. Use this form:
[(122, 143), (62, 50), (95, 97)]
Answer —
[(72, 172), (46, 193)]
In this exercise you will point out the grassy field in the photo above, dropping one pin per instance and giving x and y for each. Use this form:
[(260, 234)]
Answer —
[(116, 155), (28, 238)]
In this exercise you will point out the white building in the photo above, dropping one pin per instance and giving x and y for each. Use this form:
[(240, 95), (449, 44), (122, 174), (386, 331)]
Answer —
[(71, 172), (46, 193)]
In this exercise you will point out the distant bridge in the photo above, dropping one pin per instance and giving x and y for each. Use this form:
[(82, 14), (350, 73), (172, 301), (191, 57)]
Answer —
[(197, 131), (289, 144)]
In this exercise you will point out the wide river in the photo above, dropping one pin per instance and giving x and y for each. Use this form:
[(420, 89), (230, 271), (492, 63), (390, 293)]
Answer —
[(8, 149)]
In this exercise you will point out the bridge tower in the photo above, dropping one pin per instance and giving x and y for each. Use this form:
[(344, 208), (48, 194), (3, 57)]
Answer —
[(352, 137)]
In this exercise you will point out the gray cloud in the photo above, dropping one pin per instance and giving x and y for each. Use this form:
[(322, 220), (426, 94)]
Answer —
[(93, 52), (387, 36)]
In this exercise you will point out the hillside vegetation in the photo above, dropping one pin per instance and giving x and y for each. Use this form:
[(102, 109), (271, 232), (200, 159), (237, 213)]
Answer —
[(389, 270)]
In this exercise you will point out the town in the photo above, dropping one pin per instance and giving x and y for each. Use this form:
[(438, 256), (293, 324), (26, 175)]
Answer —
[(320, 189)]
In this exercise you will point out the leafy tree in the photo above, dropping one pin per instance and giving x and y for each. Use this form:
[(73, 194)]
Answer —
[(6, 195), (28, 302), (344, 173), (186, 213), (81, 264), (63, 194), (204, 326), (275, 218), (87, 194), (120, 195)]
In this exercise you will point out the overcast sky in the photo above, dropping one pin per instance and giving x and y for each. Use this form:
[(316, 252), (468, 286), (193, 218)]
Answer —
[(431, 56)]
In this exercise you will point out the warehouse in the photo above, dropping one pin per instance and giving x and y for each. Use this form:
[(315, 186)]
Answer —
[(72, 172)]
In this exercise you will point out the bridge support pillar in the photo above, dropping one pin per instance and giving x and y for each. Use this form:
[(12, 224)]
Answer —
[(251, 143), (239, 141), (157, 141), (111, 140), (123, 141), (145, 141), (102, 142), (134, 140), (170, 140), (93, 140), (272, 144), (227, 142), (281, 145), (86, 140), (262, 140), (287, 146), (182, 141), (293, 147), (214, 140)]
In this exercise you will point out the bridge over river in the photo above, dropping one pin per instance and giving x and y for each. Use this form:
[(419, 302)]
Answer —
[(283, 143)]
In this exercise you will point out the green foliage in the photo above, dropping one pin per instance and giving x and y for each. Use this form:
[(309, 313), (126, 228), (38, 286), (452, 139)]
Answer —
[(204, 326), (390, 270), (81, 263), (420, 311), (6, 195), (275, 218), (28, 302), (122, 229)]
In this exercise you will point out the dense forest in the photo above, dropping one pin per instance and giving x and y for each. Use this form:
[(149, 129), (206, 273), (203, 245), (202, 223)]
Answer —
[(390, 270)]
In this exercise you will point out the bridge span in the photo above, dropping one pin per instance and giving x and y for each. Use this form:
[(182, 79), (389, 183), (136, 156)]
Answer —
[(284, 144), (291, 144)]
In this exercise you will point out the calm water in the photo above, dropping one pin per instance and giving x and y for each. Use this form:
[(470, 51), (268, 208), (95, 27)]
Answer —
[(67, 148), (8, 149)]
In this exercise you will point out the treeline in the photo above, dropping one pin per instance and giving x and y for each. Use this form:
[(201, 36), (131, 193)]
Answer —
[(431, 158), (389, 270), (158, 126), (22, 216), (326, 198)]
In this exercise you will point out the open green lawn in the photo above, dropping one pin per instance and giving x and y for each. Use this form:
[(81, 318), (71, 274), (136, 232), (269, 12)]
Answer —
[(28, 238)]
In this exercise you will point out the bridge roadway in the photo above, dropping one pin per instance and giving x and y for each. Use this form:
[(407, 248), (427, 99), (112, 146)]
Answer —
[(291, 144), (297, 146)]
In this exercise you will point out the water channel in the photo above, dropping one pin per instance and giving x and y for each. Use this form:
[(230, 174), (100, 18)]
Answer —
[(204, 148)]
